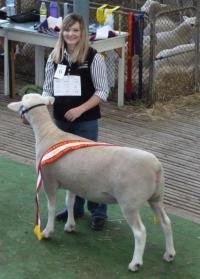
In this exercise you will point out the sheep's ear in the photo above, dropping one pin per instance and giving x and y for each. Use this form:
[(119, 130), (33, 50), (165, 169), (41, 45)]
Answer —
[(185, 18), (49, 100), (15, 106)]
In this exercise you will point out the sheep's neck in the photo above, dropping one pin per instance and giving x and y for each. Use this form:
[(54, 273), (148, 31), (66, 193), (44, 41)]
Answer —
[(42, 124)]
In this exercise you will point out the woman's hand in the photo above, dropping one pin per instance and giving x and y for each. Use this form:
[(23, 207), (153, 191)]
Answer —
[(73, 113)]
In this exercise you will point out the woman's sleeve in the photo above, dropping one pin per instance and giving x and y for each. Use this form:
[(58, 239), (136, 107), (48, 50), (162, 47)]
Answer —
[(49, 75), (99, 77)]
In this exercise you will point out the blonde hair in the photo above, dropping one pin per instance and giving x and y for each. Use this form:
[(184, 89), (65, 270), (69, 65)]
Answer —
[(81, 50)]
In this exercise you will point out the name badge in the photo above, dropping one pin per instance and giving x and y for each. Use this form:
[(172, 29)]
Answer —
[(67, 86), (60, 71)]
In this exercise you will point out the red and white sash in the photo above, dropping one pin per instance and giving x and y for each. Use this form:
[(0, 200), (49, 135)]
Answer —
[(51, 155)]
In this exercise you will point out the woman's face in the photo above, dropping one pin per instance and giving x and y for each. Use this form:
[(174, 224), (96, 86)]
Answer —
[(72, 35)]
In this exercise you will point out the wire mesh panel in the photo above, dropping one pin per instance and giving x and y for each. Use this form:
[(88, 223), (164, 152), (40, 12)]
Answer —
[(25, 66), (169, 52), (175, 54)]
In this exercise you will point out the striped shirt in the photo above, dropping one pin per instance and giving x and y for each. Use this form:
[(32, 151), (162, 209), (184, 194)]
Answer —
[(98, 73)]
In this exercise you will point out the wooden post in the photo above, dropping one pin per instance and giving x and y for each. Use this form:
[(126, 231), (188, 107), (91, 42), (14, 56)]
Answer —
[(12, 67), (82, 8), (130, 53), (141, 28), (197, 49)]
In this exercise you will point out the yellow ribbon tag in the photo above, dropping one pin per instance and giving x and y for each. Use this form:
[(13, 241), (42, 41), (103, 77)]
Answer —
[(155, 220), (38, 232)]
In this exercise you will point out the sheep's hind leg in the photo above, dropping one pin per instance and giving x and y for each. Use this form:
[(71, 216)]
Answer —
[(167, 229), (133, 218), (70, 225)]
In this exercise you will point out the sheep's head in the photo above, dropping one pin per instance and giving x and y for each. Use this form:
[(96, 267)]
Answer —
[(29, 101), (189, 20), (152, 7)]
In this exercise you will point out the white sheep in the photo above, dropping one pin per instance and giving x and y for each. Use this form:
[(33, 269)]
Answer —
[(106, 174), (151, 7), (182, 55), (163, 23), (182, 34)]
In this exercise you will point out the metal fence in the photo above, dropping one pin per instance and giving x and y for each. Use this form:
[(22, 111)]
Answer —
[(173, 56), (163, 75)]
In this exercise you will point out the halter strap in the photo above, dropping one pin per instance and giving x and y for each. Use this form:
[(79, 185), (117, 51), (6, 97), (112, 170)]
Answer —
[(22, 112)]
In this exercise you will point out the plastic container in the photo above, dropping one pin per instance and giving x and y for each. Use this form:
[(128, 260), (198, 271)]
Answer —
[(43, 12), (53, 9), (10, 7), (109, 20)]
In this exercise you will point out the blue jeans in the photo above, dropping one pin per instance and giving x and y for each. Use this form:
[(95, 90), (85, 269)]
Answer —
[(88, 130)]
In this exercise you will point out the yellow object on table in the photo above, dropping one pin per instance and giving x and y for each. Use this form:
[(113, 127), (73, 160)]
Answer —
[(102, 12)]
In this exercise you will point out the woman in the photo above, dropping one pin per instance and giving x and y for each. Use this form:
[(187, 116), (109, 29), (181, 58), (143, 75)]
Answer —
[(76, 76)]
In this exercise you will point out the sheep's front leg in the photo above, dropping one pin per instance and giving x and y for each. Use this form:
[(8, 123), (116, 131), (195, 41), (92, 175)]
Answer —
[(70, 225), (51, 200), (133, 218)]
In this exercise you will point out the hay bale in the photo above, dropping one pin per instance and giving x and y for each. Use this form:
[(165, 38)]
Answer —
[(174, 81)]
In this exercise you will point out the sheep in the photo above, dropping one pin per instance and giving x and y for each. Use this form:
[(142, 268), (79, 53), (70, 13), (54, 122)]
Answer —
[(152, 7), (106, 174), (182, 55), (182, 34), (163, 23)]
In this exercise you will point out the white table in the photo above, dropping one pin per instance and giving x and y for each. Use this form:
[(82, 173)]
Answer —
[(25, 33)]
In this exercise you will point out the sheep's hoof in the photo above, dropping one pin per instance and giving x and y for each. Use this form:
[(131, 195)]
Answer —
[(168, 257), (46, 234), (70, 228), (134, 267)]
